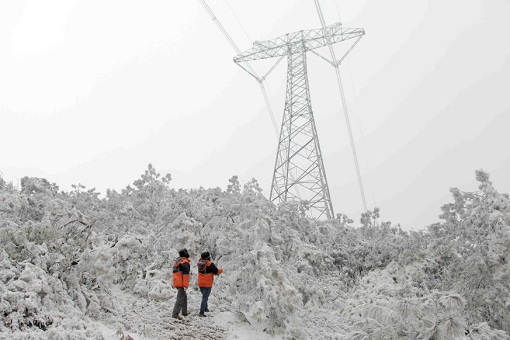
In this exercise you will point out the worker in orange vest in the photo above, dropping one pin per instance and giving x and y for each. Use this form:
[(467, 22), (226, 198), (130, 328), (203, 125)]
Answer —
[(206, 272), (180, 280)]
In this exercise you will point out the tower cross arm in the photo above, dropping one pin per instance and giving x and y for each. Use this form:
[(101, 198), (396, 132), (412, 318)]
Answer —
[(309, 39)]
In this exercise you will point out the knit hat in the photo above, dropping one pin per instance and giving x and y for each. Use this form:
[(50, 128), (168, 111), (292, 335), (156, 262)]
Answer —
[(183, 253), (205, 256)]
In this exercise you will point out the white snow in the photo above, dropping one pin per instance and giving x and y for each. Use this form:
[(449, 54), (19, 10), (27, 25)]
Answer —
[(73, 266)]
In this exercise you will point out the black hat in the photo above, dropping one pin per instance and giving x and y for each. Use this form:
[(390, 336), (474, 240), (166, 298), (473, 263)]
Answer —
[(183, 253), (205, 255)]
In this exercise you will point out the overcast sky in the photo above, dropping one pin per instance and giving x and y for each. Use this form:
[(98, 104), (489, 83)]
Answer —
[(93, 91)]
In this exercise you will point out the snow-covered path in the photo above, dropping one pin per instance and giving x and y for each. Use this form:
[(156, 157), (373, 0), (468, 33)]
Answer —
[(144, 319)]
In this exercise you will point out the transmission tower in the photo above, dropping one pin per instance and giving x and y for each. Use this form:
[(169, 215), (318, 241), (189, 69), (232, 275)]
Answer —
[(299, 172)]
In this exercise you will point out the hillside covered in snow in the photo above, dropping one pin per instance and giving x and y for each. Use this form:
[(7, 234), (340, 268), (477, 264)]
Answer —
[(74, 265)]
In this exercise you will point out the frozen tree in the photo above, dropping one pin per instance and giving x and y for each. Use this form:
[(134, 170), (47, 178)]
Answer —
[(66, 258)]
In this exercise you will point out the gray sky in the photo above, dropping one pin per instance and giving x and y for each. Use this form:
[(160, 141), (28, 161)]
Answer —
[(92, 91)]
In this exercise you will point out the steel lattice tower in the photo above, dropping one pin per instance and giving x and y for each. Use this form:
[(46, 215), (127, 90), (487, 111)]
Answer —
[(299, 172)]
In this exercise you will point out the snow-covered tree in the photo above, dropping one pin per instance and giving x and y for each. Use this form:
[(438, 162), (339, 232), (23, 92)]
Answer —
[(66, 258)]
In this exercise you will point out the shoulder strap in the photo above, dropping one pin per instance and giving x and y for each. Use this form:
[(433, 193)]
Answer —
[(178, 261), (202, 264)]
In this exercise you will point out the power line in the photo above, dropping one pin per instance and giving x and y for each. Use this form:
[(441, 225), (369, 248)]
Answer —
[(249, 68), (220, 26), (360, 125), (344, 103), (251, 71), (238, 21), (369, 172)]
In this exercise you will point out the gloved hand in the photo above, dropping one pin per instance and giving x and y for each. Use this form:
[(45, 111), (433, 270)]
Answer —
[(220, 271)]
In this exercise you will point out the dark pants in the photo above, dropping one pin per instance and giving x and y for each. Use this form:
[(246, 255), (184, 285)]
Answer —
[(181, 303), (205, 296)]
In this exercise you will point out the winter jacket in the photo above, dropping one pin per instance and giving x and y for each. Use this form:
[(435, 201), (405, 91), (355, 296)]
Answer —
[(206, 272), (181, 272)]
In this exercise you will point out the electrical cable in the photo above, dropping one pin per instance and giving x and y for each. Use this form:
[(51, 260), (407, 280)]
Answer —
[(344, 104), (369, 172), (360, 126), (250, 68), (239, 21)]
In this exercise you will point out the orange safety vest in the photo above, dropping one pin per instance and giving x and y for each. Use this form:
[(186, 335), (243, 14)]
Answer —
[(180, 280), (205, 280)]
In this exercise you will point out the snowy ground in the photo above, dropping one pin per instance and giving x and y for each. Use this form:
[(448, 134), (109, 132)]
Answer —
[(65, 275), (141, 319), (145, 320)]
